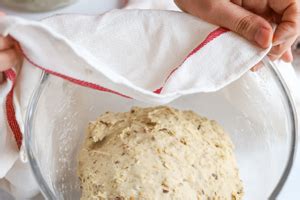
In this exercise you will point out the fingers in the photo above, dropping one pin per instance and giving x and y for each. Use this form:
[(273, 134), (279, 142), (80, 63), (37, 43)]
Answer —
[(233, 17), (280, 6), (8, 59), (256, 6), (237, 2), (1, 77), (185, 6), (279, 50), (257, 67), (8, 56), (245, 23), (287, 56), (8, 53), (288, 28), (6, 43)]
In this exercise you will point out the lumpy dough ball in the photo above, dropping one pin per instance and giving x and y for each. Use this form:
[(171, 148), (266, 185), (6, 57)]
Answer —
[(157, 153)]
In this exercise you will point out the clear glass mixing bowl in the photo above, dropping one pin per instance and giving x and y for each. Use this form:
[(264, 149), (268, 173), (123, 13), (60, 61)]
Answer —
[(256, 111), (37, 5)]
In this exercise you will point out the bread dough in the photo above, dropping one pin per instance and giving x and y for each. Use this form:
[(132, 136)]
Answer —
[(157, 153)]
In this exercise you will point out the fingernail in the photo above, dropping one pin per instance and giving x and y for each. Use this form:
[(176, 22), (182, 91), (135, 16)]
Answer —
[(272, 57), (281, 38), (262, 37), (257, 67), (288, 58)]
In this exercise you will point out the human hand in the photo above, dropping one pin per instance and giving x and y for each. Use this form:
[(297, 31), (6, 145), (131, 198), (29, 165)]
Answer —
[(251, 19), (8, 53)]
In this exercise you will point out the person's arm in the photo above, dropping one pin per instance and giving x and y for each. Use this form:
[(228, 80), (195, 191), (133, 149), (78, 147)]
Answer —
[(8, 53), (250, 18)]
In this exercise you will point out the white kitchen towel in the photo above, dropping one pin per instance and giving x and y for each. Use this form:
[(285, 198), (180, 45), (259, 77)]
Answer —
[(286, 69), (152, 4), (149, 55)]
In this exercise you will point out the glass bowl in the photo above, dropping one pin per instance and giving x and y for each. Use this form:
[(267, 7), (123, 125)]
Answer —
[(36, 5), (256, 111)]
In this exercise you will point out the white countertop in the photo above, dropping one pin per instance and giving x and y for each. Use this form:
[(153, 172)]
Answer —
[(291, 190)]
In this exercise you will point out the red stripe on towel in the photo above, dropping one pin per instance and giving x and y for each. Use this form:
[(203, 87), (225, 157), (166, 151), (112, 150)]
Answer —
[(11, 75), (213, 35), (10, 109)]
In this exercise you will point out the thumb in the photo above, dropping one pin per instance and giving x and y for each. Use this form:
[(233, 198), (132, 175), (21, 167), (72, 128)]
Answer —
[(245, 23)]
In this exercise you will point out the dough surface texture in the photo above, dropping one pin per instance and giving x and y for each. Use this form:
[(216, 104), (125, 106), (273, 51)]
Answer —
[(157, 153)]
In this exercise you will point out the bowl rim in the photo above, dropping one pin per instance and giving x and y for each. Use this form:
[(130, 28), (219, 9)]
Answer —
[(47, 192), (294, 118)]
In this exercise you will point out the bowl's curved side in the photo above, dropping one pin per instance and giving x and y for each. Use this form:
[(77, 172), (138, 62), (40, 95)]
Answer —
[(47, 192), (294, 138), (50, 194)]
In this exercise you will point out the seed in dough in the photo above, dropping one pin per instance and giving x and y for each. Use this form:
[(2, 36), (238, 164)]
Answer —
[(158, 153)]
